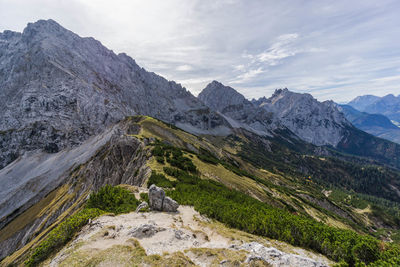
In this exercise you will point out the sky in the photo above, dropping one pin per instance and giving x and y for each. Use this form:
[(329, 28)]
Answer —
[(331, 49)]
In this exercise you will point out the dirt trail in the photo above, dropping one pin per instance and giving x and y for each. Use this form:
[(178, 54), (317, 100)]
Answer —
[(185, 233)]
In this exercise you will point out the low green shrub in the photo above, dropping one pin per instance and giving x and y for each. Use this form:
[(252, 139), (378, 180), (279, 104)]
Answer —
[(160, 180), (174, 156), (160, 159), (108, 199), (113, 199), (144, 197), (243, 212), (207, 157), (60, 235)]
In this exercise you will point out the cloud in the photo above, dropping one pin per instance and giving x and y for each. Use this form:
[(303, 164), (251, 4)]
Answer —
[(279, 50), (184, 68), (247, 75), (332, 49)]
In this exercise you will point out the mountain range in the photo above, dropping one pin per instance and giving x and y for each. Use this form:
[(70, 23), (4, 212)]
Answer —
[(58, 89), (76, 116), (388, 105), (375, 124)]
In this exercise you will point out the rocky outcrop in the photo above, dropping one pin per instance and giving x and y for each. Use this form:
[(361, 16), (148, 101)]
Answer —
[(158, 200), (275, 257), (170, 205), (156, 197), (142, 206), (186, 234), (145, 230)]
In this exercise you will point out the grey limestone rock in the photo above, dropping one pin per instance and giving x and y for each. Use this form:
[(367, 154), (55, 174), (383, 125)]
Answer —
[(145, 230), (156, 197), (276, 257), (158, 200), (170, 205), (57, 89), (319, 123)]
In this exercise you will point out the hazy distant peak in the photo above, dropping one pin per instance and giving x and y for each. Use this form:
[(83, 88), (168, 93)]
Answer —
[(361, 102)]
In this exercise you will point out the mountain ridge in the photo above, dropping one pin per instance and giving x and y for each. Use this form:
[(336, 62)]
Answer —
[(388, 105), (375, 124), (61, 89)]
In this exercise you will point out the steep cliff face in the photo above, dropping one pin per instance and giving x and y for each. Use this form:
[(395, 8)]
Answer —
[(40, 188), (57, 89)]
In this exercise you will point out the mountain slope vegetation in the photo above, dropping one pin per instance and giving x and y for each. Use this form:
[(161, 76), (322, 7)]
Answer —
[(191, 166)]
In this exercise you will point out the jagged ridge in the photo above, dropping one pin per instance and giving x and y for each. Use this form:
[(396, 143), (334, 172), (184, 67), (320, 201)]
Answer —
[(57, 89)]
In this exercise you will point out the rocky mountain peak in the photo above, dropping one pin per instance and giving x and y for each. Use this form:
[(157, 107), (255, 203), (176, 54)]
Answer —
[(47, 27), (361, 102), (8, 35), (48, 33), (240, 112), (320, 123), (218, 96), (388, 105), (390, 98), (58, 89)]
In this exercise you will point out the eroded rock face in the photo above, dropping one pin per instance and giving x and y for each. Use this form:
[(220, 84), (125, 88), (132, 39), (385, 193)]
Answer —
[(239, 111), (319, 123), (158, 200), (110, 158)]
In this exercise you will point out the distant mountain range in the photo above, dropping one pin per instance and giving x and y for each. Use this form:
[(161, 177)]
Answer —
[(375, 124), (388, 105), (378, 116)]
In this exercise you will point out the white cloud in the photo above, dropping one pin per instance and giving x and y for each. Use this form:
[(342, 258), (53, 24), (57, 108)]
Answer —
[(281, 49), (240, 67), (332, 49), (184, 68), (246, 76)]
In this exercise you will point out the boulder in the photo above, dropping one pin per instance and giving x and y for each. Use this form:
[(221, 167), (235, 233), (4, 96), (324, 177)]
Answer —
[(158, 200), (156, 197), (170, 205), (275, 257), (145, 230)]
